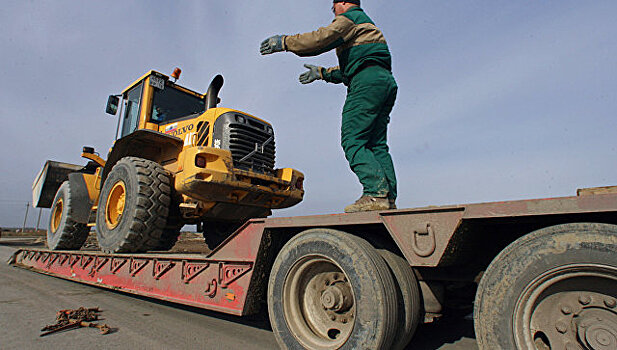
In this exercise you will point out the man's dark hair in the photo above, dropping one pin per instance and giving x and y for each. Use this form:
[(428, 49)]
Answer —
[(356, 2)]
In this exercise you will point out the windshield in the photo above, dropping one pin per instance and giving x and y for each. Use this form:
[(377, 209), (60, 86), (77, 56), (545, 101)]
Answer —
[(170, 104)]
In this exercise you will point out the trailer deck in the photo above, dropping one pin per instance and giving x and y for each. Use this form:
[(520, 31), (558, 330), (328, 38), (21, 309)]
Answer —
[(227, 279)]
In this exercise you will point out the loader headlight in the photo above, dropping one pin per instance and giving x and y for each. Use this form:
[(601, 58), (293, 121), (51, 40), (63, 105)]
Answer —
[(240, 119)]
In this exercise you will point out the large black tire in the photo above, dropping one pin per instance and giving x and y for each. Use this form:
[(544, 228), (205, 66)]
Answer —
[(550, 289), (133, 206), (63, 232), (408, 297), (171, 232), (331, 290)]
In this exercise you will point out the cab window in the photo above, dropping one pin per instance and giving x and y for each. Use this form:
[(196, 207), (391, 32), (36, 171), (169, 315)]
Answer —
[(130, 121), (170, 104)]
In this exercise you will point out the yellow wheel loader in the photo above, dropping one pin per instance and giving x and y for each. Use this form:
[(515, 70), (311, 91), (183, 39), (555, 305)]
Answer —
[(178, 159)]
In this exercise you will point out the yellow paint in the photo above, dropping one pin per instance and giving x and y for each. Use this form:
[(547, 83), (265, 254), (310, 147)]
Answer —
[(95, 158), (138, 81), (151, 126), (93, 185), (115, 205), (230, 296), (56, 216), (145, 110)]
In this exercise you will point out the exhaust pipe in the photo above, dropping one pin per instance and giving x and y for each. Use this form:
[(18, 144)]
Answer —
[(212, 96)]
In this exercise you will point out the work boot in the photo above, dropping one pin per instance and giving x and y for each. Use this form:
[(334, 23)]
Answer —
[(368, 203), (392, 202)]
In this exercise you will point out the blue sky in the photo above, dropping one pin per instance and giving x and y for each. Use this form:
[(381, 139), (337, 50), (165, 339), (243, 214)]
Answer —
[(498, 100)]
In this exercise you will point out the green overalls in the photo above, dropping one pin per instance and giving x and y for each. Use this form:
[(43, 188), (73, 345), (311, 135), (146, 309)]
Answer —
[(365, 67)]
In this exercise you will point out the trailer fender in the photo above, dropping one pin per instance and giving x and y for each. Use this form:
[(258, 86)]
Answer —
[(147, 144)]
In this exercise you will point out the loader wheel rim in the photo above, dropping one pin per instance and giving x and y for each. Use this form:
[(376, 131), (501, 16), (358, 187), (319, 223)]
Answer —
[(56, 215), (319, 304), (569, 306), (115, 205)]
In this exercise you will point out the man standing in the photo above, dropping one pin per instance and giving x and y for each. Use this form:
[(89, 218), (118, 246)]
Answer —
[(365, 68)]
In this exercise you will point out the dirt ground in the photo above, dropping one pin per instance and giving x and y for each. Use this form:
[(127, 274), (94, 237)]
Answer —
[(17, 233)]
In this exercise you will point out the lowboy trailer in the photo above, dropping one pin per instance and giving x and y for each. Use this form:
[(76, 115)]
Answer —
[(538, 274)]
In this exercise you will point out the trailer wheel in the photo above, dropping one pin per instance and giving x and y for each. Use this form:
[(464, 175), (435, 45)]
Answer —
[(554, 288), (408, 297), (63, 232), (133, 206), (331, 290)]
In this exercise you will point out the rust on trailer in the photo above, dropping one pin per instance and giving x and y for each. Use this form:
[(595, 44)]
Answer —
[(424, 235), (548, 206), (219, 281)]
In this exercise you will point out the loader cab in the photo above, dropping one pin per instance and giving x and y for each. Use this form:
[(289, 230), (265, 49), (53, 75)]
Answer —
[(153, 100)]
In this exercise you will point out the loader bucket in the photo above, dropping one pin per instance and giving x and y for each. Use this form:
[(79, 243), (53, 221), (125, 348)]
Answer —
[(49, 180)]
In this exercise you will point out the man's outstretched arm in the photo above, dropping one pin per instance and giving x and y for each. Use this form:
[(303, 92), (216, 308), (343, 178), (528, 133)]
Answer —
[(312, 43)]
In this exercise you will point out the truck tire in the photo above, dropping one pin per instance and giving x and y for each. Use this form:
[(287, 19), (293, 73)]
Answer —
[(63, 232), (331, 290), (133, 206), (554, 288), (408, 298)]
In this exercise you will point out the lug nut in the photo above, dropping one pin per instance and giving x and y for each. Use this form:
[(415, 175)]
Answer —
[(566, 310), (344, 320), (332, 317), (561, 327), (584, 299), (609, 302)]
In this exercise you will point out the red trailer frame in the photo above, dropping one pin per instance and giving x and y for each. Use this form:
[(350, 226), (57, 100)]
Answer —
[(231, 278), (446, 245)]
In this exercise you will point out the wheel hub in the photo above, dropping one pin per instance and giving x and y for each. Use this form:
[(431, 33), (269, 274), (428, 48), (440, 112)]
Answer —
[(571, 310), (115, 205), (331, 298), (597, 329), (337, 297), (320, 311)]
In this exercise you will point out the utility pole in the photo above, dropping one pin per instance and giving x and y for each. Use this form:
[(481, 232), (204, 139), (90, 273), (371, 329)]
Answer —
[(38, 220), (23, 228)]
